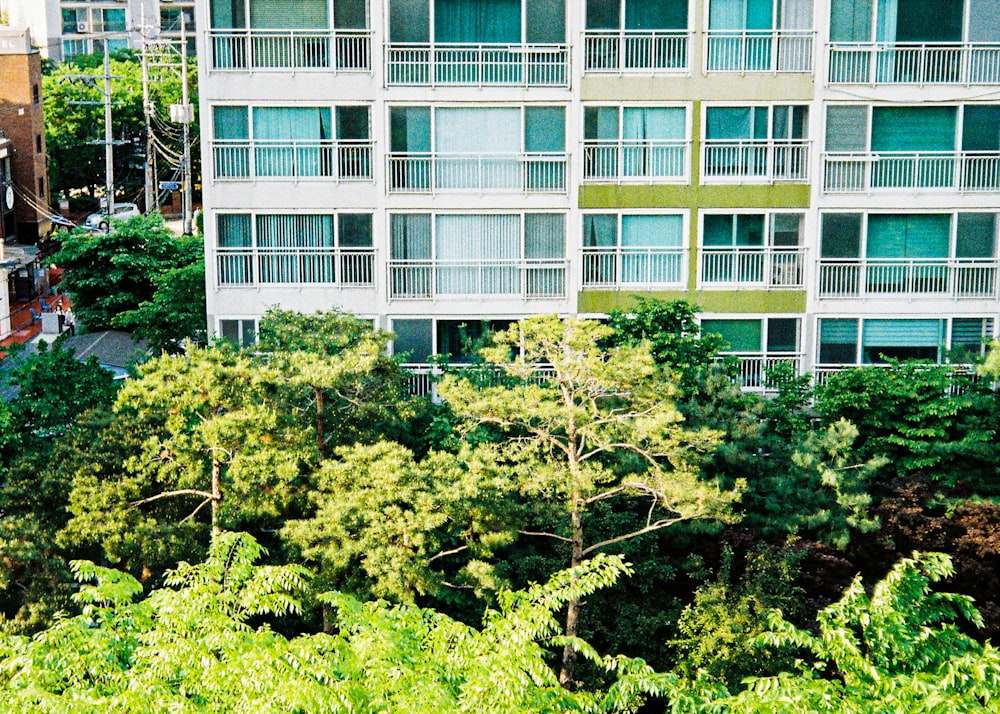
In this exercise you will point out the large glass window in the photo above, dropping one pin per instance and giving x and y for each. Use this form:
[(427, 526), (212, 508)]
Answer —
[(853, 341), (627, 142), (632, 249)]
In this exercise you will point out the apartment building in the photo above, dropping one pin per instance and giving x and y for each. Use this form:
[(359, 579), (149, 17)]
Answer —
[(821, 177), (64, 28)]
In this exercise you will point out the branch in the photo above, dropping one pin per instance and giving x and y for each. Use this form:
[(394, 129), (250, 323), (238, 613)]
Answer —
[(456, 587), (169, 494), (195, 511), (546, 535), (647, 529), (443, 553), (606, 494)]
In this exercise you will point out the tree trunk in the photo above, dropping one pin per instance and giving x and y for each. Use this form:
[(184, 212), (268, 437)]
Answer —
[(574, 605), (216, 494), (319, 423)]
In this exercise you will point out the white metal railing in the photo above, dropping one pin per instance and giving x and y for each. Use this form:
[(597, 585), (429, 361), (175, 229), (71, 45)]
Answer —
[(959, 278), (424, 377), (528, 278), (759, 51), (914, 63), (292, 158), (636, 50), (244, 50), (822, 372), (614, 267), (422, 64), (636, 159), (753, 367), (426, 172), (764, 267), (860, 172), (755, 159), (347, 267)]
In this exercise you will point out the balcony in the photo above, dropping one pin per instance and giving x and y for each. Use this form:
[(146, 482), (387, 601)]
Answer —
[(626, 51), (752, 368), (527, 279), (914, 63), (429, 172), (965, 278), (282, 50), (615, 268), (636, 160), (772, 51), (426, 65), (728, 160), (967, 172), (350, 268), (243, 160), (766, 268)]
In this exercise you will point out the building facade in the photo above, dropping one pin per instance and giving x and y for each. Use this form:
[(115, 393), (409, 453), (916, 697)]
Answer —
[(821, 177), (64, 28)]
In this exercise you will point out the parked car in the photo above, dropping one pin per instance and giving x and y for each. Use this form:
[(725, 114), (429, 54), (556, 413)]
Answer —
[(101, 221)]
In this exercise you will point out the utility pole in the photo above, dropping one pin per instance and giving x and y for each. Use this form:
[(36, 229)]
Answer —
[(109, 139), (183, 113), (151, 193)]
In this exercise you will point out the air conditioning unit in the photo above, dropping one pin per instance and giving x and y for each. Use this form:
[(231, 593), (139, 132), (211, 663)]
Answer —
[(83, 27)]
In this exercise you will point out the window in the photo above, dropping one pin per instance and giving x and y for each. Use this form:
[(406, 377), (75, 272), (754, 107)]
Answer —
[(635, 142), (472, 254), (767, 142), (295, 248), (759, 35), (654, 37), (421, 339), (38, 143), (477, 21), (240, 332), (759, 343), (882, 339), (41, 187), (632, 249), (36, 94), (762, 248), (512, 148)]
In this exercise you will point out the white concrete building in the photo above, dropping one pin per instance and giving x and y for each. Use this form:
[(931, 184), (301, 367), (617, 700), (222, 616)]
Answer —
[(821, 177)]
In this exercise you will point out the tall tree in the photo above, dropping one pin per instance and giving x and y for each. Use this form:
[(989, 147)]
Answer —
[(580, 426)]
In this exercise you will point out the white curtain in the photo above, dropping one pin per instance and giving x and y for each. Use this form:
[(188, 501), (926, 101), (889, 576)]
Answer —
[(478, 254), (484, 144)]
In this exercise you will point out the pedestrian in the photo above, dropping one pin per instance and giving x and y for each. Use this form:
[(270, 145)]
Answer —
[(69, 321)]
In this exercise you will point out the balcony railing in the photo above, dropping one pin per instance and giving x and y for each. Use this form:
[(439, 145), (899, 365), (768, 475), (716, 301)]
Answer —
[(929, 170), (755, 160), (771, 51), (965, 278), (752, 368), (762, 267), (424, 377), (530, 279), (636, 160), (621, 51), (414, 64), (426, 172), (346, 267), (914, 63), (617, 267), (244, 50), (241, 160)]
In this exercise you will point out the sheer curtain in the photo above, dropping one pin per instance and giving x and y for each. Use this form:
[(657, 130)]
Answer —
[(280, 127), (288, 245), (644, 131), (478, 254), (651, 249), (478, 148), (477, 21)]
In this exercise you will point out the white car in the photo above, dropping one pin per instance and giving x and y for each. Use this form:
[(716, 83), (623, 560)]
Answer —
[(101, 221)]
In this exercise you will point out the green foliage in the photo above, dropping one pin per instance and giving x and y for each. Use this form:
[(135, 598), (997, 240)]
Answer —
[(717, 629), (192, 647), (897, 649), (923, 418), (116, 273), (176, 311)]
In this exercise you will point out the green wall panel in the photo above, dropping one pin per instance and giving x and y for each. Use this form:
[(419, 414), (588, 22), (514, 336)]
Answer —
[(694, 197), (714, 301)]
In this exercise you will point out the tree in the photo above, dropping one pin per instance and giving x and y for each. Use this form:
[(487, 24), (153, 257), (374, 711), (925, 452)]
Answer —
[(591, 426), (897, 649), (116, 273), (205, 643), (175, 313)]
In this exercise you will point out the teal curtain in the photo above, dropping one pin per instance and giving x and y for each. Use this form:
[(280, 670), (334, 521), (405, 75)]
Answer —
[(600, 123), (656, 14), (885, 29), (726, 15), (736, 123), (545, 129), (291, 123), (741, 335), (718, 230), (289, 14), (976, 235), (600, 230), (230, 122), (850, 20), (487, 21), (652, 231), (227, 14), (481, 130), (234, 230), (981, 126), (545, 21), (410, 129), (903, 333), (640, 266), (653, 123), (908, 236), (409, 21), (295, 231), (913, 128)]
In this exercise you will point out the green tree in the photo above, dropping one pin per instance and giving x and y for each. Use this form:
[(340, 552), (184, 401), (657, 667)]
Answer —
[(175, 313), (897, 649), (205, 644), (593, 425), (116, 273)]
